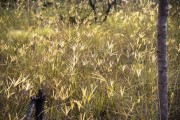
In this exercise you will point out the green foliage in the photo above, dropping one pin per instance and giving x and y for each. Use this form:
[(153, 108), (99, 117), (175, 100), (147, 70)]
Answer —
[(89, 71)]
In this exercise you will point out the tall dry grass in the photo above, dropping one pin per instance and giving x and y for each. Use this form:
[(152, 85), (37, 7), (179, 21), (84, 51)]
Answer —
[(88, 70)]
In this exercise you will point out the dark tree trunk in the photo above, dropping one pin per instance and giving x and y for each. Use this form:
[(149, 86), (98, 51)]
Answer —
[(110, 4), (92, 3), (162, 60)]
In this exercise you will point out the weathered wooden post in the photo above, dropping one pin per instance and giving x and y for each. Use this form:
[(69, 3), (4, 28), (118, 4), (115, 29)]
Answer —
[(30, 108), (38, 102)]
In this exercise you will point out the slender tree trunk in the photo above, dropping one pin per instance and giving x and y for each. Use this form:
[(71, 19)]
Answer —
[(162, 60), (110, 4), (92, 3)]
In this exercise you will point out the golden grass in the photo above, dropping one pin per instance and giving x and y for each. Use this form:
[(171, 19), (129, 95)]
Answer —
[(91, 71)]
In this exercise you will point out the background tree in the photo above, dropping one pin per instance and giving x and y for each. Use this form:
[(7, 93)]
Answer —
[(162, 60)]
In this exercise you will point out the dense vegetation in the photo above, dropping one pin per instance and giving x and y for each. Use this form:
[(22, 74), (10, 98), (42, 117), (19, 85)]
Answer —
[(103, 70)]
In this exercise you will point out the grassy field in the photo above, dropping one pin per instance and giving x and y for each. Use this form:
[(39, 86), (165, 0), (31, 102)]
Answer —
[(89, 71)]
